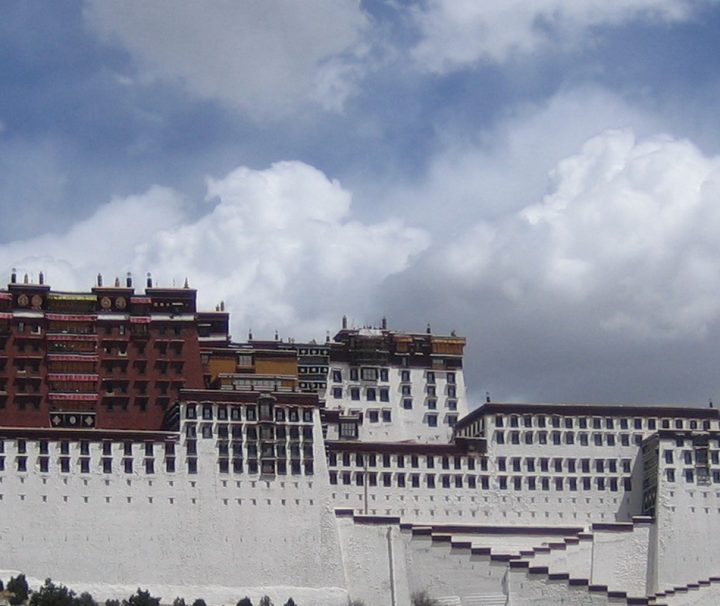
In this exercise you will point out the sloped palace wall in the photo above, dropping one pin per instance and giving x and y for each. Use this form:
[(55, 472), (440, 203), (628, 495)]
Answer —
[(175, 534)]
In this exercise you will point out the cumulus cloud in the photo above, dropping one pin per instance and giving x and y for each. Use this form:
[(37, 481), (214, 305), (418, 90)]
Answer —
[(265, 57), (459, 33), (505, 167), (278, 245), (107, 241), (627, 234), (579, 269)]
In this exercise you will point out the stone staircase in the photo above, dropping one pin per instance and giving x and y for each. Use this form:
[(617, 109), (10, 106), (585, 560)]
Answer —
[(678, 595), (528, 564), (538, 564), (612, 597)]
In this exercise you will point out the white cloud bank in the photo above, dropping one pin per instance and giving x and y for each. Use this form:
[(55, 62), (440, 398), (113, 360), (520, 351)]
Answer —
[(504, 168), (261, 56), (625, 240), (459, 33), (279, 246)]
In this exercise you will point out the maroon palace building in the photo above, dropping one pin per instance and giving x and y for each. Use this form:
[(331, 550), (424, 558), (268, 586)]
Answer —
[(108, 358)]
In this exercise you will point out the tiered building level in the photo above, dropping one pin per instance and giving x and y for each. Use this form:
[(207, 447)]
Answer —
[(108, 358), (352, 467)]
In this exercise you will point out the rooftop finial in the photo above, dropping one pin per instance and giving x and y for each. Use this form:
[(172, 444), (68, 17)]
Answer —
[(344, 322), (327, 336), (128, 280), (99, 279), (428, 330), (186, 285), (222, 305), (487, 396), (41, 278), (13, 276), (250, 337), (383, 323), (26, 279), (117, 282), (149, 280), (277, 336), (711, 403)]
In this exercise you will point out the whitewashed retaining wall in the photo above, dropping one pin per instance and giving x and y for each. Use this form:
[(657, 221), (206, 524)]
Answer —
[(688, 519), (620, 557), (703, 596), (375, 563), (174, 531), (537, 590)]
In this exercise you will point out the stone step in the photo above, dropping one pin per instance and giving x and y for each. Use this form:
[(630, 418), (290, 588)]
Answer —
[(497, 599)]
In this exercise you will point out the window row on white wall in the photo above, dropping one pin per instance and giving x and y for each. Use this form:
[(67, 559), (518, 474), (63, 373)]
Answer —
[(385, 415), (252, 450), (382, 394), (147, 448), (530, 465), (559, 438), (561, 464), (692, 457), (251, 431), (517, 483), (85, 464), (692, 475), (375, 374), (597, 422), (415, 461), (248, 412), (150, 466)]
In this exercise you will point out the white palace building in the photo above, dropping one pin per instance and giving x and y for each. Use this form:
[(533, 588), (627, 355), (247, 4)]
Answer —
[(139, 446)]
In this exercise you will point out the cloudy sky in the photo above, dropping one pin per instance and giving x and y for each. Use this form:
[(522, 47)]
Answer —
[(542, 177)]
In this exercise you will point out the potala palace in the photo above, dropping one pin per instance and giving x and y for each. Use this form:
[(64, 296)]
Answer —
[(140, 446)]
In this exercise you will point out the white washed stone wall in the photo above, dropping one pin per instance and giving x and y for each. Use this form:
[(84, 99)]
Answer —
[(619, 559), (688, 520), (405, 424), (237, 532), (445, 572), (375, 563), (537, 590)]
